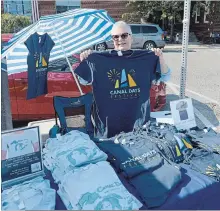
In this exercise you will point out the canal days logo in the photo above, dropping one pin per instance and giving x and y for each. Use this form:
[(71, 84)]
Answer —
[(125, 86)]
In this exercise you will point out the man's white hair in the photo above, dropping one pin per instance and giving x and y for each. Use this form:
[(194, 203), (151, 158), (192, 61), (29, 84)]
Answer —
[(121, 24)]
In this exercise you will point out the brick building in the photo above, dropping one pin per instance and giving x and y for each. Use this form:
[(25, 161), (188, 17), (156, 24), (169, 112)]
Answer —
[(45, 7), (114, 8), (201, 26)]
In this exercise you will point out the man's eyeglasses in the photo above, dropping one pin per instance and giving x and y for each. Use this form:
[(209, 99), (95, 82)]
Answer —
[(123, 36)]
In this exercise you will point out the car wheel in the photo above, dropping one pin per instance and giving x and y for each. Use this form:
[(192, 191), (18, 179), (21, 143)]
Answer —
[(149, 44), (101, 47)]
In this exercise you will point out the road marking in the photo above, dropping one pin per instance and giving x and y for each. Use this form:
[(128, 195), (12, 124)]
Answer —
[(173, 86)]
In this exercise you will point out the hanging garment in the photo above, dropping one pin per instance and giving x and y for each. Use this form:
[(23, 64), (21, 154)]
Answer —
[(39, 47), (121, 88)]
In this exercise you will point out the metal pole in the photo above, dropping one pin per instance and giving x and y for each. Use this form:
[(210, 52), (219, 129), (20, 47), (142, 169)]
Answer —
[(185, 39), (6, 117), (32, 10), (77, 83), (37, 10)]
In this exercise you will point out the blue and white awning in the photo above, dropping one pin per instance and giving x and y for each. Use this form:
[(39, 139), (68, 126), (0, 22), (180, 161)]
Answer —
[(76, 29)]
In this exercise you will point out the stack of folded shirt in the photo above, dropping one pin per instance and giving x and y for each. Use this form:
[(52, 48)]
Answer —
[(209, 140), (205, 162), (75, 149), (96, 187), (35, 194), (86, 180), (139, 160)]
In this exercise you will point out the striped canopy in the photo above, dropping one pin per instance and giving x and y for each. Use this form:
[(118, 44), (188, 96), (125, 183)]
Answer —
[(72, 32)]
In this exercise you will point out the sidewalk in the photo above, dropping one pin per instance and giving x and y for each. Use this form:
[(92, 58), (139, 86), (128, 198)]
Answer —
[(191, 46)]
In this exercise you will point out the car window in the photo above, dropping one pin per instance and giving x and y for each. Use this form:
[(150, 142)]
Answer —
[(149, 29), (3, 44), (61, 65), (135, 29)]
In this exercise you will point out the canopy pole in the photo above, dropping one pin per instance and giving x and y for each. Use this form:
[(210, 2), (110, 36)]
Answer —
[(6, 116), (185, 40), (74, 75)]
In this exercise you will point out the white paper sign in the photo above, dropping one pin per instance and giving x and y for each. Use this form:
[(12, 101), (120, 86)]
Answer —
[(162, 117), (183, 114)]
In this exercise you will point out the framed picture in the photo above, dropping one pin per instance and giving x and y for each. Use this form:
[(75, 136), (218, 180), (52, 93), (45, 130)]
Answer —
[(183, 114), (21, 156)]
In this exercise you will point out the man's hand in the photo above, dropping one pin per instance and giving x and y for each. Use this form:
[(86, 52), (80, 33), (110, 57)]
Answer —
[(157, 51), (85, 54)]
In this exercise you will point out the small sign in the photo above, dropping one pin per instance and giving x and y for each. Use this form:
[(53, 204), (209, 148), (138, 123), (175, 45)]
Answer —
[(183, 114), (21, 156), (163, 117)]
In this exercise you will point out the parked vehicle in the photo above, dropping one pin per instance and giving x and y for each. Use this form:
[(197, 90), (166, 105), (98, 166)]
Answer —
[(145, 36), (5, 38), (60, 83)]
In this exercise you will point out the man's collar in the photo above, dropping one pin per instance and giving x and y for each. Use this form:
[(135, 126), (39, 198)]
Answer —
[(121, 53)]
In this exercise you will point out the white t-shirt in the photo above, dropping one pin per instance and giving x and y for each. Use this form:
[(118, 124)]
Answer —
[(19, 143)]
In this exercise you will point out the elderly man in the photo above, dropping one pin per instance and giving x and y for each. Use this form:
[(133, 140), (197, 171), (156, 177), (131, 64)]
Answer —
[(121, 81)]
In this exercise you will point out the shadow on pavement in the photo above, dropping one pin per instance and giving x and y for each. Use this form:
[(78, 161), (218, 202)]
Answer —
[(204, 109)]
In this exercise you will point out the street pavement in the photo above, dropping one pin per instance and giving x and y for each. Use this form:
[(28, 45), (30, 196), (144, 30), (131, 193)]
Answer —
[(192, 45), (203, 79)]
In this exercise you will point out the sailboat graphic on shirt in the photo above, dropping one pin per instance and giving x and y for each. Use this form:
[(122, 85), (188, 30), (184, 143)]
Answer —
[(121, 81), (41, 62)]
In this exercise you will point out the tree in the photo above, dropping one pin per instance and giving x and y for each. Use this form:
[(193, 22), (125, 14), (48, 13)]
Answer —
[(140, 10), (13, 23), (154, 11)]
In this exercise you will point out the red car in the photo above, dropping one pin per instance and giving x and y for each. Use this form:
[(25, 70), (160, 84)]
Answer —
[(60, 83)]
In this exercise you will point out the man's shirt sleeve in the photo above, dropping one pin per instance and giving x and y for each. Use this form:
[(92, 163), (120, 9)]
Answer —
[(85, 72), (166, 76)]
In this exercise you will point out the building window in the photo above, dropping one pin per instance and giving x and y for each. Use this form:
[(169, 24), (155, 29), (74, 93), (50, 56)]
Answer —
[(197, 14), (65, 5), (205, 16), (22, 7), (61, 9)]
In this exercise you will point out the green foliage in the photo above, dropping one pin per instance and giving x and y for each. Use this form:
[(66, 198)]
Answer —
[(157, 10), (154, 11), (13, 23)]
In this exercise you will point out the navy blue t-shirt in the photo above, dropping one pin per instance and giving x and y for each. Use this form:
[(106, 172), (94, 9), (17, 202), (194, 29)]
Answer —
[(39, 47), (121, 88)]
